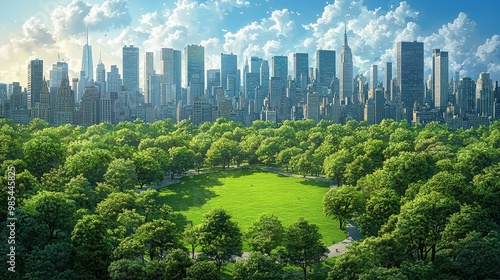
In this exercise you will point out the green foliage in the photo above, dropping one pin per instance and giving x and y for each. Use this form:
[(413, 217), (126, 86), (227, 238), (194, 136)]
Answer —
[(265, 234), (202, 270), (258, 267), (121, 173), (379, 207), (220, 237), (342, 203), (41, 154), (125, 269), (91, 163), (303, 247)]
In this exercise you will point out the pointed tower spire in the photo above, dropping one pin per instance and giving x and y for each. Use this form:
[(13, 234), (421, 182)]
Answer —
[(87, 35), (345, 34)]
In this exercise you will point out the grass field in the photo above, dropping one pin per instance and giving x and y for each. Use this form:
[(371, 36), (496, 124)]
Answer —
[(246, 194)]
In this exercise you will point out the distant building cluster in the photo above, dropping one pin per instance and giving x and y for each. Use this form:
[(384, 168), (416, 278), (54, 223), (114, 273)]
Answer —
[(262, 90)]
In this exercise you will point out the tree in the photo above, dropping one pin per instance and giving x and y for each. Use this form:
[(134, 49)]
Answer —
[(220, 237), (191, 237), (92, 248), (265, 234), (202, 270), (268, 149), (54, 209), (342, 203), (125, 269), (158, 237), (258, 267), (176, 264), (421, 223), (121, 173), (53, 261), (80, 190), (147, 202), (486, 191), (41, 154), (379, 207), (113, 205), (91, 163), (303, 247), (181, 159), (222, 152), (285, 156), (335, 165), (148, 169)]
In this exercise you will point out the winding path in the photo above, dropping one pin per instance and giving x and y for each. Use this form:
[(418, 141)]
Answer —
[(335, 250)]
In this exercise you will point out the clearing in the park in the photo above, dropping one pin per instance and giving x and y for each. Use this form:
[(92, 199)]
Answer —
[(248, 193)]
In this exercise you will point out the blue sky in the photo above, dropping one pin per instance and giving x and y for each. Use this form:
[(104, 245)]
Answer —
[(467, 29)]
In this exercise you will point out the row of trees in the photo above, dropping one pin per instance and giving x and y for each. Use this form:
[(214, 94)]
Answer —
[(388, 174)]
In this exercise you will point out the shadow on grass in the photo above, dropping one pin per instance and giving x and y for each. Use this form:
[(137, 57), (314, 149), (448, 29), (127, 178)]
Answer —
[(307, 182)]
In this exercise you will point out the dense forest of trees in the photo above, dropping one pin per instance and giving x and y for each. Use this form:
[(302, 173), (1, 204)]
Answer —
[(425, 198)]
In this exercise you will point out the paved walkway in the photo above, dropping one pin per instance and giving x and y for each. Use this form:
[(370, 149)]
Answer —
[(335, 250)]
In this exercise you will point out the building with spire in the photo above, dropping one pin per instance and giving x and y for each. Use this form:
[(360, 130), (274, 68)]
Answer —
[(346, 72), (101, 77), (87, 71)]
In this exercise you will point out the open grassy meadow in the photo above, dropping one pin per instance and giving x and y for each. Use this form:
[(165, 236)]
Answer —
[(247, 193)]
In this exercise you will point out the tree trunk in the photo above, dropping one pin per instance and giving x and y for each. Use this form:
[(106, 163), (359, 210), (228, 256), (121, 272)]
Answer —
[(305, 272)]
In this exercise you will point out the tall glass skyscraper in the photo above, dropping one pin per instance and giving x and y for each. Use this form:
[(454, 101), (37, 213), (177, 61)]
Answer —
[(228, 68), (131, 68), (35, 82), (87, 71), (148, 71), (279, 67), (325, 65), (101, 77), (194, 57), (346, 86), (484, 95), (410, 73), (171, 69), (301, 66)]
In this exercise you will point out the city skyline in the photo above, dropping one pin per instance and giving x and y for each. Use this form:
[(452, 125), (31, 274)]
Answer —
[(248, 28)]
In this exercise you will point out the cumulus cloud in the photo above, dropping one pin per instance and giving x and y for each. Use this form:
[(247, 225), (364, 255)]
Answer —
[(78, 15)]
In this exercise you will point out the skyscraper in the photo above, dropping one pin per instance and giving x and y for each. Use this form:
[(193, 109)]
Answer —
[(194, 57), (87, 71), (228, 66), (373, 81), (65, 104), (148, 71), (466, 94), (301, 67), (410, 73), (279, 67), (213, 80), (346, 87), (130, 68), (35, 82), (387, 80), (255, 63), (171, 70), (58, 73), (101, 78), (264, 77), (440, 78), (484, 95), (114, 80), (325, 65)]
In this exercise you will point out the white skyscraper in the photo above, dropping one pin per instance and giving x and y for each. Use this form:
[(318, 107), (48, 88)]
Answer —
[(440, 78)]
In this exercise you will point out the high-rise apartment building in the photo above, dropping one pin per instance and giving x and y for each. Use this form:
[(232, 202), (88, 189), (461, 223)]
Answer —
[(466, 95), (130, 69), (346, 86), (194, 64), (148, 71), (35, 82), (440, 78), (325, 67), (264, 77), (279, 67), (410, 73)]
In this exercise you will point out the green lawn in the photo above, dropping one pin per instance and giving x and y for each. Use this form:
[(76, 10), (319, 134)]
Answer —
[(246, 194)]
